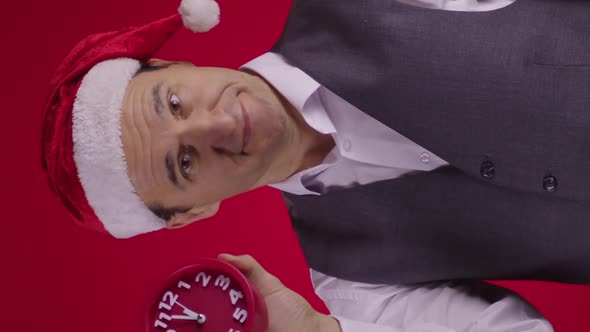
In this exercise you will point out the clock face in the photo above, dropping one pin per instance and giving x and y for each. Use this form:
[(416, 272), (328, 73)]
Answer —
[(207, 296)]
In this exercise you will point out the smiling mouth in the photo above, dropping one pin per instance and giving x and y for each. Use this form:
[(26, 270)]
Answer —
[(246, 131)]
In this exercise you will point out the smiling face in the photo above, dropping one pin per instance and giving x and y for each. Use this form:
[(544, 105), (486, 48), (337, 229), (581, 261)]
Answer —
[(195, 136)]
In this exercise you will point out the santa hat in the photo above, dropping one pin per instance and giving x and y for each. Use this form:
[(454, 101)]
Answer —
[(82, 152)]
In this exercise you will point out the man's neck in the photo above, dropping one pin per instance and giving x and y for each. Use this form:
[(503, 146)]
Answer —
[(313, 145), (319, 145), (310, 146)]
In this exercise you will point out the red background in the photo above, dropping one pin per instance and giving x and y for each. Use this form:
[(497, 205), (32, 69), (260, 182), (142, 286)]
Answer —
[(57, 276)]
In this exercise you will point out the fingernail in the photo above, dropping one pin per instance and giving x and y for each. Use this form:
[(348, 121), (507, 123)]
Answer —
[(227, 256)]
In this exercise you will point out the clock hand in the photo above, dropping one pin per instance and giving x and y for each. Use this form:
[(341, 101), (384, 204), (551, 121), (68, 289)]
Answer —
[(187, 311), (200, 318), (195, 315), (184, 317)]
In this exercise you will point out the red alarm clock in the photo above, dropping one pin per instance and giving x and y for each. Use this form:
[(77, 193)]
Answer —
[(207, 296)]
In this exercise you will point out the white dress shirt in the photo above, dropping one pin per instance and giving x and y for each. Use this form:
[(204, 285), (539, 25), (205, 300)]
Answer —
[(434, 307), (461, 5), (358, 158)]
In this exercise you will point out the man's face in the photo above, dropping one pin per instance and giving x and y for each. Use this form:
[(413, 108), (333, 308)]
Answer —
[(195, 136)]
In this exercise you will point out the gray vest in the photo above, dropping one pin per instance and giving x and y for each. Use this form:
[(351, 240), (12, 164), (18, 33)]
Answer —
[(503, 96)]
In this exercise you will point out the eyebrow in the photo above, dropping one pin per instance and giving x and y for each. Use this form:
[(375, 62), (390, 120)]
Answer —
[(170, 169), (156, 96)]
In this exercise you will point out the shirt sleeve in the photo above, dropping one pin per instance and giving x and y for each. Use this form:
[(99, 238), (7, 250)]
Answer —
[(433, 307), (348, 325)]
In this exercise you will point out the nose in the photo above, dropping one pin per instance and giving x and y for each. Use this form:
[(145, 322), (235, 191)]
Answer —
[(218, 131)]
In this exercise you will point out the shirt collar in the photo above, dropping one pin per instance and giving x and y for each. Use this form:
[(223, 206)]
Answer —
[(291, 82), (295, 183), (302, 92)]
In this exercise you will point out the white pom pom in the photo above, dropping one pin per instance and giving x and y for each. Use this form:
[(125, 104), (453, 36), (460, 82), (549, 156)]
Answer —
[(199, 15)]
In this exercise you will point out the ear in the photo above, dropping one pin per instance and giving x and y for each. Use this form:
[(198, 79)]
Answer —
[(194, 214)]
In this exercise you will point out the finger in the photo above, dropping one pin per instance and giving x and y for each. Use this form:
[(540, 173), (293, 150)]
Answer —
[(265, 282)]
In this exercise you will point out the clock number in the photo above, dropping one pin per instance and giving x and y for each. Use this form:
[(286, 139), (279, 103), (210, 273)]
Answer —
[(164, 306), (240, 315), (170, 298), (163, 325), (182, 284), (222, 281), (204, 277), (160, 324), (235, 296)]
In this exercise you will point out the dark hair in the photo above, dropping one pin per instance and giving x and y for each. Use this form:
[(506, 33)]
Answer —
[(166, 213), (147, 67)]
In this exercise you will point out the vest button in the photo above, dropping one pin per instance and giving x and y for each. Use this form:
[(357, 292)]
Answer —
[(487, 170), (550, 183)]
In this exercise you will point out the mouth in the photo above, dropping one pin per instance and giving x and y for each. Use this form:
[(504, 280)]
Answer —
[(247, 131)]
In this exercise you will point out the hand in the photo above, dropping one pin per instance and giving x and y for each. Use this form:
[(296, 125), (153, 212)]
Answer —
[(287, 310)]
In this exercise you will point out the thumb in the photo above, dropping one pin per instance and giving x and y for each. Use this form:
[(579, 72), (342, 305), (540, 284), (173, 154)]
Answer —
[(265, 282)]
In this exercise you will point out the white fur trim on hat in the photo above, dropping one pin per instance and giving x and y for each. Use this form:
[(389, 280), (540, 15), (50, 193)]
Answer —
[(98, 150), (199, 15)]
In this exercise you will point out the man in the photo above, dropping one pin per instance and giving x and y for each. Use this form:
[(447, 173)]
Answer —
[(193, 136), (179, 139), (474, 169)]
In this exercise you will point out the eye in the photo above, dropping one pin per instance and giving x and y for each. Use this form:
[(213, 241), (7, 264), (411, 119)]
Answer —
[(174, 104), (186, 164)]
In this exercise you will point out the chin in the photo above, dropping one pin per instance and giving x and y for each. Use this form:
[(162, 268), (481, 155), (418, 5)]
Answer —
[(266, 133)]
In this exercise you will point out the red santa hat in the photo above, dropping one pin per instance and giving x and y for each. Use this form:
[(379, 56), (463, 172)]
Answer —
[(82, 152)]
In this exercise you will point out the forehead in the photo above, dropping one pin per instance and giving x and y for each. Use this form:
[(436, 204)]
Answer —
[(145, 134), (182, 70), (160, 71)]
